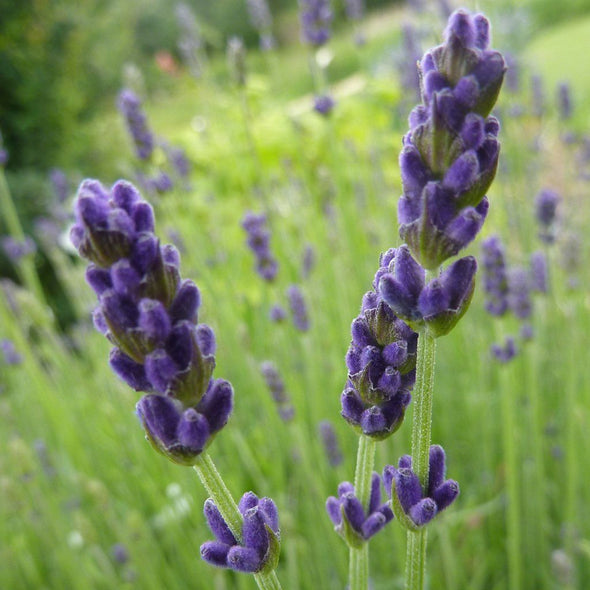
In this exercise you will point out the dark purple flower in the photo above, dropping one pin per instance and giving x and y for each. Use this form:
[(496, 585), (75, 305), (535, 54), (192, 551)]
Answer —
[(323, 104), (260, 543), (539, 272), (494, 276), (436, 306), (330, 443), (450, 154), (298, 308), (506, 352), (316, 21), (412, 506), (381, 363), (137, 124), (258, 241), (9, 352), (276, 386), (354, 522), (151, 315), (519, 293), (277, 314), (546, 203)]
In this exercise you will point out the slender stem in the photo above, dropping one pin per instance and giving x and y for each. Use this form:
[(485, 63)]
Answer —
[(26, 266), (359, 557), (216, 488), (421, 434)]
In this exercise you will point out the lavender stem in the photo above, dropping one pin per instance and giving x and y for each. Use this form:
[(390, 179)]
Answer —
[(421, 435), (359, 557), (216, 488)]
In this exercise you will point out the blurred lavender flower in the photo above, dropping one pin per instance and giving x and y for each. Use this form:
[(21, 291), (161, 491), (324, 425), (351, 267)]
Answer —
[(539, 272), (261, 19), (526, 332), (564, 101), (236, 60), (9, 352), (276, 386), (150, 315), (411, 54), (450, 154), (352, 522), (190, 43), (259, 549), (298, 308), (436, 306), (506, 352), (316, 21), (119, 553), (519, 293), (162, 183), (137, 125), (3, 152), (323, 104), (494, 276), (308, 261), (512, 73), (538, 96), (330, 442), (60, 184), (259, 242), (17, 249), (355, 9), (546, 208), (411, 506), (381, 364), (570, 251), (277, 314)]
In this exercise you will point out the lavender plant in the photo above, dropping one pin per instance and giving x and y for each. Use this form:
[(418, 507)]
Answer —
[(151, 316), (447, 163), (258, 241)]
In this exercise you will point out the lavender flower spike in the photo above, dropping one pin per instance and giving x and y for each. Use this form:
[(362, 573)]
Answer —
[(546, 209), (259, 549), (450, 154), (137, 125), (411, 506), (352, 522), (298, 308), (494, 276), (381, 364), (150, 315), (258, 241), (316, 20)]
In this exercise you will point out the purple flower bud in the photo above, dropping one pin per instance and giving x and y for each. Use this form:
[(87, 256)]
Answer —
[(316, 20), (519, 297), (298, 308), (330, 443), (276, 386), (277, 314), (323, 104), (9, 352), (546, 208), (130, 106), (258, 241), (564, 100), (505, 353), (539, 272)]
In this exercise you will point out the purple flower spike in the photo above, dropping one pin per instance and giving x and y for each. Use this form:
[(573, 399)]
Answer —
[(506, 352), (494, 276), (412, 506), (150, 314), (316, 21), (539, 272), (323, 104), (436, 306), (450, 154), (546, 208), (276, 386), (258, 549), (298, 308), (258, 241), (352, 521), (130, 106)]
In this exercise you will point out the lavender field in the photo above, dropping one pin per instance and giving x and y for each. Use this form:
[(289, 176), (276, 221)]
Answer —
[(261, 264)]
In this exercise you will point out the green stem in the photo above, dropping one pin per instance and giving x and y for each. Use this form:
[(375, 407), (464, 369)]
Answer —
[(421, 434), (216, 488), (359, 557), (26, 267)]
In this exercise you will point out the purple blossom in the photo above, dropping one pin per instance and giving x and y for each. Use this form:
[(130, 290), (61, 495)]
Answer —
[(9, 352), (150, 315), (546, 203), (298, 308), (381, 362), (16, 250), (137, 124), (3, 157), (436, 306), (276, 386), (60, 184), (519, 293), (564, 101), (259, 548), (120, 553), (506, 352), (352, 521), (258, 241), (450, 153), (323, 104), (330, 443), (308, 261), (277, 314), (316, 21), (494, 276), (539, 272), (413, 507)]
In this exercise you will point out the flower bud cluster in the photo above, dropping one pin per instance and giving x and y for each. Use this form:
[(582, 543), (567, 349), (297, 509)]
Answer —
[(298, 308), (259, 242), (494, 276), (413, 506), (546, 209), (316, 21), (381, 363), (352, 522), (259, 549), (450, 154), (150, 315), (276, 385)]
